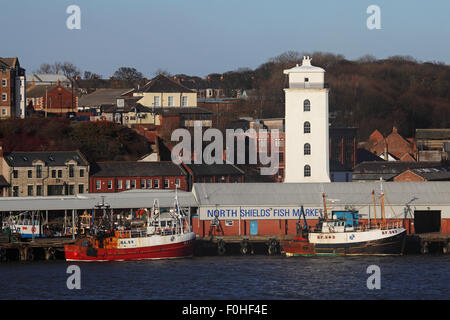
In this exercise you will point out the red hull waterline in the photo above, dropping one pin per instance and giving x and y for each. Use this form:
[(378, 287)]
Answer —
[(168, 251)]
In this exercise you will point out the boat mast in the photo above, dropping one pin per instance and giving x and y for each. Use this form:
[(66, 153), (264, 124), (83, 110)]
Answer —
[(374, 208), (383, 215)]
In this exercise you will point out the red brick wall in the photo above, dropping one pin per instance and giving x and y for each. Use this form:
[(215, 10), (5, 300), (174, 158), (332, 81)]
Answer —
[(59, 100), (104, 183)]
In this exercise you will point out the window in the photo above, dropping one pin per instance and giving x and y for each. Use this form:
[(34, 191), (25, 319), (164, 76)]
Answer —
[(71, 172), (149, 183), (133, 184), (30, 173), (184, 101), (71, 189), (15, 174), (4, 82), (15, 191), (142, 183), (306, 127), (307, 148), (156, 182), (38, 171), (97, 184), (306, 79), (109, 184), (156, 101), (81, 173), (59, 173), (81, 188), (170, 102), (4, 112), (307, 171), (127, 184), (53, 173), (306, 105), (30, 191), (4, 96), (177, 183), (39, 190), (119, 184), (166, 184)]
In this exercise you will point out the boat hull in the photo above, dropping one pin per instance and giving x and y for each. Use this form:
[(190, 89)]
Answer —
[(180, 248), (391, 245)]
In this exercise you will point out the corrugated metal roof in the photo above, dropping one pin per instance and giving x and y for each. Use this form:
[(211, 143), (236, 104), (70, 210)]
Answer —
[(121, 200), (348, 193)]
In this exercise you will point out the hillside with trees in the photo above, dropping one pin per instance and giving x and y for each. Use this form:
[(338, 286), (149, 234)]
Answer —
[(367, 93), (99, 141)]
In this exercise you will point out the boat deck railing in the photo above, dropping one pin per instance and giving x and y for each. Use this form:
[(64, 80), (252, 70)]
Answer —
[(380, 225)]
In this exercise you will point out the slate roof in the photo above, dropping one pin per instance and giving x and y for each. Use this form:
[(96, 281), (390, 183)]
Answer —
[(214, 169), (162, 83), (374, 170), (102, 96), (39, 91), (432, 133), (136, 169), (433, 174), (167, 111), (51, 158)]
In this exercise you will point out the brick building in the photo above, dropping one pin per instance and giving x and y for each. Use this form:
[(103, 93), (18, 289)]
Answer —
[(120, 176), (393, 147), (12, 89), (44, 173), (214, 173), (51, 99)]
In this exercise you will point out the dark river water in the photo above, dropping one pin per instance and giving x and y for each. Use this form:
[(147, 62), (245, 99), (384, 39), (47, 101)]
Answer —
[(233, 277)]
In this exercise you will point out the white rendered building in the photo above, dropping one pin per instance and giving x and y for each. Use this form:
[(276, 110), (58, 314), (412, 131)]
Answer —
[(306, 114)]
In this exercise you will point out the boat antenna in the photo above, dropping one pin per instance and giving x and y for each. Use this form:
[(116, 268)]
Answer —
[(324, 206)]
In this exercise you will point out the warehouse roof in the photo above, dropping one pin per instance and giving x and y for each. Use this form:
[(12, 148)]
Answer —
[(121, 200), (294, 194)]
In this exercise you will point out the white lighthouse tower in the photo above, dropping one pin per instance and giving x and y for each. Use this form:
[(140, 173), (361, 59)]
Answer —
[(306, 120)]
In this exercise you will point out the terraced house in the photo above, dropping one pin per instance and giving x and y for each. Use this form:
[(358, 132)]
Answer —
[(44, 173)]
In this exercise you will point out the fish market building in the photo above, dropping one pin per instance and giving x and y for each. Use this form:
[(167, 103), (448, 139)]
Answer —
[(274, 209)]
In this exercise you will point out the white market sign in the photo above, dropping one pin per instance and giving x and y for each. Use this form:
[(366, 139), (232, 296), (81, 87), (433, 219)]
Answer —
[(258, 213)]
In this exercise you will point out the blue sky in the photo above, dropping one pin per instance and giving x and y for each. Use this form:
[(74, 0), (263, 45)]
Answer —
[(198, 37)]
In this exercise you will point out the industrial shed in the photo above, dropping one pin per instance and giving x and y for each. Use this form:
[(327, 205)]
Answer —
[(274, 208)]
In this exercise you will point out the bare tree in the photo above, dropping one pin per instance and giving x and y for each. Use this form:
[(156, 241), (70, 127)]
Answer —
[(67, 68)]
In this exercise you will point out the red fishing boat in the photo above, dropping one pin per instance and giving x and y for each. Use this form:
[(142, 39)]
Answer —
[(158, 235)]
